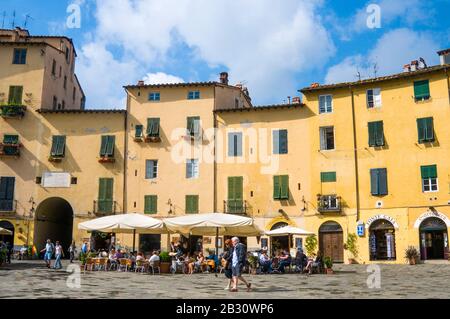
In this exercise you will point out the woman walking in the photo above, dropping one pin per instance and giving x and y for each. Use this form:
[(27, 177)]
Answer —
[(226, 264), (58, 254), (72, 251)]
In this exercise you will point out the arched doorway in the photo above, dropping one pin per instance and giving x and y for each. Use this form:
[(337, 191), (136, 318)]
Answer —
[(331, 241), (54, 220), (382, 240), (278, 243), (7, 238), (433, 239)]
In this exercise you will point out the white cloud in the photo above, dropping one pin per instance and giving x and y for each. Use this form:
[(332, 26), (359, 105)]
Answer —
[(391, 52), (161, 78), (262, 42)]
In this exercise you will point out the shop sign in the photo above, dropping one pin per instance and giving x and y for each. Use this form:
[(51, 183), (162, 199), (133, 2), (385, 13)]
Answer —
[(429, 214), (381, 216), (360, 230), (55, 180)]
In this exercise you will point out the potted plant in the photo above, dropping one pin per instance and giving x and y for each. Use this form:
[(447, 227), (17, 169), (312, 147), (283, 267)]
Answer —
[(165, 262), (352, 247), (253, 263), (311, 245), (328, 263), (82, 258), (412, 255)]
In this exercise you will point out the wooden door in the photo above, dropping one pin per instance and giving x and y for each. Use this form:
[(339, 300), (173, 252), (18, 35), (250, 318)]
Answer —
[(331, 244)]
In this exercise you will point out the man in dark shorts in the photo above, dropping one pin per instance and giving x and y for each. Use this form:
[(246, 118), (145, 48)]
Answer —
[(237, 259)]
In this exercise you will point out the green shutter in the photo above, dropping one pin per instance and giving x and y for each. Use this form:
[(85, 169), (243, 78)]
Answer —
[(10, 139), (138, 131), (153, 127), (7, 193), (105, 195), (378, 181), (283, 144), (327, 177), (284, 193), (58, 145), (376, 134), (103, 146), (425, 130), (191, 204), (110, 146), (421, 90), (15, 95), (428, 171), (235, 194), (150, 204), (374, 181), (276, 187)]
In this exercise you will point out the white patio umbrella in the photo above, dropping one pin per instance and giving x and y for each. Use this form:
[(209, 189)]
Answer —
[(4, 231), (213, 224), (288, 231), (125, 223)]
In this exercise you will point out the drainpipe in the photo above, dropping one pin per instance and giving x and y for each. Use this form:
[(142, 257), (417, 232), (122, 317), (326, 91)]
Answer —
[(215, 154), (448, 84), (355, 155), (125, 155)]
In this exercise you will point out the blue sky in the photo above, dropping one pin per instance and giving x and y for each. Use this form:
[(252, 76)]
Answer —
[(274, 48)]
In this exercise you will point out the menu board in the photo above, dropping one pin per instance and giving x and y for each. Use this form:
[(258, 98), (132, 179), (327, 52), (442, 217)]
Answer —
[(55, 179)]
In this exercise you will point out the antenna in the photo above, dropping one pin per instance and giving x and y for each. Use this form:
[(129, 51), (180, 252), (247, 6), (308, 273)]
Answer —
[(3, 20), (358, 74), (13, 20), (375, 69), (26, 20)]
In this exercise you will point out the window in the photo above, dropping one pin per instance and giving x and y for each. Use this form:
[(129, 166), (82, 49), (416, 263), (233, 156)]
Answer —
[(191, 204), (138, 131), (65, 82), (67, 55), (58, 146), (425, 130), (280, 142), (327, 138), (20, 56), (74, 93), (235, 144), (376, 135), (193, 95), (281, 187), (325, 104), (429, 178), (55, 102), (192, 168), (154, 96), (193, 126), (54, 67), (7, 193), (328, 177), (15, 95), (63, 105), (107, 146), (151, 169), (10, 145), (373, 98), (10, 139), (105, 195), (150, 204), (421, 90), (60, 71), (235, 202), (378, 182), (153, 127)]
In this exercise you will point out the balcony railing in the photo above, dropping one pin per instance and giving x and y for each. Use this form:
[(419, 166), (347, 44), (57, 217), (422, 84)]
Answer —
[(12, 111), (105, 207), (329, 203), (9, 149), (235, 207), (8, 205)]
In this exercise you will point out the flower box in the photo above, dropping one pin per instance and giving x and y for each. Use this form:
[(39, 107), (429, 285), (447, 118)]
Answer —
[(106, 160)]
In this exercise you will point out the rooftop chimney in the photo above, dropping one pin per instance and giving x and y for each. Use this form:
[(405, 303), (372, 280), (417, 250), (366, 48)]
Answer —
[(296, 100), (224, 78), (140, 83), (406, 68), (314, 85), (414, 65), (444, 56)]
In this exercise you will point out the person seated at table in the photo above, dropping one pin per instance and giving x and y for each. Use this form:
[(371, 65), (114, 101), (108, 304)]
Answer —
[(265, 262), (23, 252), (190, 262), (284, 260), (153, 258), (118, 254), (200, 263), (140, 256), (103, 254), (300, 260), (212, 256), (315, 263)]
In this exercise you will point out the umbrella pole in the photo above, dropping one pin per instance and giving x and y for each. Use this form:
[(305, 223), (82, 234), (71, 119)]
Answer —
[(134, 239), (217, 241)]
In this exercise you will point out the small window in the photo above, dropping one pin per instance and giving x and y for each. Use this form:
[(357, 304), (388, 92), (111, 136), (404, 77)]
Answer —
[(150, 204), (373, 98), (54, 67), (429, 178), (425, 130), (280, 141), (327, 138), (378, 182), (193, 95), (151, 169), (55, 102), (192, 204), (58, 146), (154, 96), (325, 104), (60, 71), (235, 144), (192, 170), (376, 134), (193, 126), (107, 146), (20, 56), (421, 90), (63, 104), (67, 55), (74, 93), (328, 177), (73, 180), (15, 95), (138, 131), (65, 82), (38, 180), (281, 187)]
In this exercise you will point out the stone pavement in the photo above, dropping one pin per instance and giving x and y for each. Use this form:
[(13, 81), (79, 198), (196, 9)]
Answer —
[(30, 279)]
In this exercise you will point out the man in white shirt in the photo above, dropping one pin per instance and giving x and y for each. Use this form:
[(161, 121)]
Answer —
[(154, 258)]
